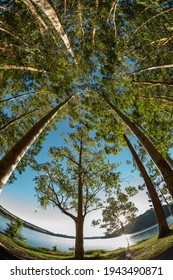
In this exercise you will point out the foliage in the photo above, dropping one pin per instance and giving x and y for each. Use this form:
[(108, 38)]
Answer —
[(81, 159), (14, 229), (118, 53), (117, 212)]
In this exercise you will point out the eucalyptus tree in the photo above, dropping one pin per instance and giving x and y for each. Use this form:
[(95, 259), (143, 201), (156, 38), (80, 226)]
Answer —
[(47, 8), (156, 156), (33, 68), (112, 42), (75, 178), (161, 219), (112, 131)]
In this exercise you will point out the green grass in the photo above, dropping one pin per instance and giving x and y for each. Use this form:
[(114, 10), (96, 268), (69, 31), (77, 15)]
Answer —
[(144, 250)]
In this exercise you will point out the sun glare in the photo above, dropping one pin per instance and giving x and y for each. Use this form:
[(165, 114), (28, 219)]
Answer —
[(122, 218)]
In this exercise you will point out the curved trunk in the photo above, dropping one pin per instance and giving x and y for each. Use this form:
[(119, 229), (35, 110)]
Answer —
[(157, 158), (49, 11), (9, 162), (161, 219)]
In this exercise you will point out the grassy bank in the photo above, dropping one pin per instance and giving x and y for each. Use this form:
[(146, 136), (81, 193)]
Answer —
[(145, 250)]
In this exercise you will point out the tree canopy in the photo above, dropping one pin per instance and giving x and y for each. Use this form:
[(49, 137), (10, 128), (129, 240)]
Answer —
[(114, 57)]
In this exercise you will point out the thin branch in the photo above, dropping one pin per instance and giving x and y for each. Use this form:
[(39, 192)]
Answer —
[(94, 209), (153, 67), (59, 205), (154, 83), (4, 8), (7, 29), (15, 97), (166, 100), (3, 128), (26, 68), (71, 159), (143, 24)]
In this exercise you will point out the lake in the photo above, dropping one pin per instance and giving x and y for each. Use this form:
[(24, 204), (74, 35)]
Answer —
[(38, 239)]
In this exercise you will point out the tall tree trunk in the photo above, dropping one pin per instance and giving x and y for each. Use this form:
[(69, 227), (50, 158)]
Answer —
[(79, 249), (42, 25), (170, 161), (157, 158), (9, 162), (161, 219), (81, 18), (49, 11)]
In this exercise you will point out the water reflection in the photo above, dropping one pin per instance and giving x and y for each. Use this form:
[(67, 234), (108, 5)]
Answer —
[(38, 239)]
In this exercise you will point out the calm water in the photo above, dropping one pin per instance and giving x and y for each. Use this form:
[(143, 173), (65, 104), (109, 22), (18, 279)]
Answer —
[(38, 239)]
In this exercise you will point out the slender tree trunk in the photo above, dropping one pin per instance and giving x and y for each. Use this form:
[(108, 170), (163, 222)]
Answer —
[(26, 68), (65, 7), (15, 97), (41, 23), (79, 248), (81, 19), (170, 161), (4, 127), (9, 162), (154, 83), (157, 158), (153, 67), (161, 219), (49, 11)]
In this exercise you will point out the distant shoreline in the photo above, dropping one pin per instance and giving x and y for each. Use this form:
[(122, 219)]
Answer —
[(6, 214), (131, 228)]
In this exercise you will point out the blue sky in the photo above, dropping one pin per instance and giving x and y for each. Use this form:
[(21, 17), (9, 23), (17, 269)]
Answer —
[(19, 197)]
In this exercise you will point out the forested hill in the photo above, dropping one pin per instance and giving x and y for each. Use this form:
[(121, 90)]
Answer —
[(146, 220)]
